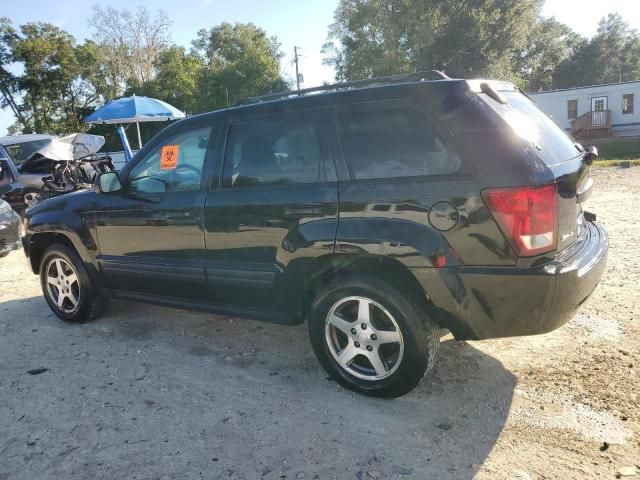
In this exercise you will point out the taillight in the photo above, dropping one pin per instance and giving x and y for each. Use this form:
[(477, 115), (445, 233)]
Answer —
[(528, 216)]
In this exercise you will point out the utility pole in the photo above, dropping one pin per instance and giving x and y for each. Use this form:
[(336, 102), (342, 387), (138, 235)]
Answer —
[(295, 56)]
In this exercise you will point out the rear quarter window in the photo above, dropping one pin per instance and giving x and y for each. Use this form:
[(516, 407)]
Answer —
[(393, 140)]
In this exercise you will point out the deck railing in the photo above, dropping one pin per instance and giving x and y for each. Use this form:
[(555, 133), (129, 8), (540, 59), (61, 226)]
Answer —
[(592, 121)]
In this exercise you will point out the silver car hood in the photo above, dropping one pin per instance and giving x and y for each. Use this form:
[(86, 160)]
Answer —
[(71, 147)]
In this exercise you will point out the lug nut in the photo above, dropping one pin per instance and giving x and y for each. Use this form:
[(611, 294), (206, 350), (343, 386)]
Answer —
[(353, 330), (357, 344), (374, 337), (369, 348), (364, 326)]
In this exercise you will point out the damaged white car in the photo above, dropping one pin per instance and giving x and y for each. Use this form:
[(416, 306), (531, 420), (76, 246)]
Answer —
[(34, 167)]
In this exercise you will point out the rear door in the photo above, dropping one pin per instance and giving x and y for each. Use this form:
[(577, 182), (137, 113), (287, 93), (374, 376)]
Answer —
[(274, 210)]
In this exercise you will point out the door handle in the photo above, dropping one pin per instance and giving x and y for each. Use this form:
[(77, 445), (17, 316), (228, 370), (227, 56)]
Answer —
[(299, 211)]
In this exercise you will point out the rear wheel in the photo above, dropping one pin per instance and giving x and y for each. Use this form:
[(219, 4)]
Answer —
[(67, 287), (371, 338)]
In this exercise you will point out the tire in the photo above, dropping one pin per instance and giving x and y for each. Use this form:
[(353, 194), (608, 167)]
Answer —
[(62, 273), (398, 331)]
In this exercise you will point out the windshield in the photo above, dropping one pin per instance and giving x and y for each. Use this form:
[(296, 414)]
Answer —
[(19, 152), (534, 126)]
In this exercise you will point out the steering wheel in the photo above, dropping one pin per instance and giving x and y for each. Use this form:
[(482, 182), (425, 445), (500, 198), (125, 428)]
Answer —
[(186, 166)]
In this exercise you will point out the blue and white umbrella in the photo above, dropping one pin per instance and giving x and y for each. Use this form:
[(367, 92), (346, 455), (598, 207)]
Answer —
[(135, 109)]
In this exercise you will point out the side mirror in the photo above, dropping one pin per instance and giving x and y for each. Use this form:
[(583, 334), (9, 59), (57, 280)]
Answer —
[(108, 182), (590, 155), (2, 174)]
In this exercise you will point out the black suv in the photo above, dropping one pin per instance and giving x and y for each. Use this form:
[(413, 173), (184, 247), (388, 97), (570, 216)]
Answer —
[(380, 212)]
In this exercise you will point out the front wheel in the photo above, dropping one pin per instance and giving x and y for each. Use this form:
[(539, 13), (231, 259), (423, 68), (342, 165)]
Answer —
[(371, 338), (67, 286)]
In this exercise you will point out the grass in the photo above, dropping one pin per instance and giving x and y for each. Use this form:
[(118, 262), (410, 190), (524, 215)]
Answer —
[(635, 162), (619, 150)]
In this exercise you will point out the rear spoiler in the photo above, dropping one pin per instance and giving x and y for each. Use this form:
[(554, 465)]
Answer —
[(493, 88), (479, 86)]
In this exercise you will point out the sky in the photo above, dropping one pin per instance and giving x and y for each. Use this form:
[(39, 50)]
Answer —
[(301, 23)]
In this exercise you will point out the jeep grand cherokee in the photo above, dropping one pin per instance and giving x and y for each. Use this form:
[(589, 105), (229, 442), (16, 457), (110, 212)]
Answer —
[(379, 211)]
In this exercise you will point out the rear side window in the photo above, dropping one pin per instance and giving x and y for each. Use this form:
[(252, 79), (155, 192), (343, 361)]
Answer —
[(393, 139), (532, 124), (276, 151)]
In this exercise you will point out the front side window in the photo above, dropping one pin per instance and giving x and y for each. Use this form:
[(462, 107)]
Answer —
[(277, 151), (175, 165), (627, 103), (572, 109), (393, 139)]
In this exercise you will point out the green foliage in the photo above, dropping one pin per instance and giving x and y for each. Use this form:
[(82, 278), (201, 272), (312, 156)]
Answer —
[(466, 38), (61, 83), (177, 80), (57, 82), (240, 61), (612, 55), (505, 39), (623, 149), (550, 43), (8, 81), (56, 88)]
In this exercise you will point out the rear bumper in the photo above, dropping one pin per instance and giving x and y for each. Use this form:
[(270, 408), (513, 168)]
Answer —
[(491, 302)]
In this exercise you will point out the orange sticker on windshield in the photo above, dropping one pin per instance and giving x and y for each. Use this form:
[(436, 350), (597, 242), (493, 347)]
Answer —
[(169, 157)]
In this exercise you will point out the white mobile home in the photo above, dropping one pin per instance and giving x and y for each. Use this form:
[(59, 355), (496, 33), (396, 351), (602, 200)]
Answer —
[(595, 111)]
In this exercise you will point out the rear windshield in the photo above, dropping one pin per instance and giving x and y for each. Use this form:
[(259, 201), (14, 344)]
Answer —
[(533, 125)]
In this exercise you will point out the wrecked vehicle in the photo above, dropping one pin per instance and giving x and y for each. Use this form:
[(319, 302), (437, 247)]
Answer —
[(35, 167)]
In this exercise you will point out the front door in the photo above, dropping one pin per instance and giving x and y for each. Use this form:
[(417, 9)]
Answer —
[(274, 211), (150, 235), (599, 107)]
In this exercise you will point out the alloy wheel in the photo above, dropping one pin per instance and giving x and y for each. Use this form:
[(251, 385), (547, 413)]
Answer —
[(63, 288), (364, 338)]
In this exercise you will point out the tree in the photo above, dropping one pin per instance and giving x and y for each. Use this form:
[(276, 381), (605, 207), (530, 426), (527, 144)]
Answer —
[(55, 90), (239, 61), (8, 81), (550, 43), (465, 38), (177, 79), (612, 55), (131, 44)]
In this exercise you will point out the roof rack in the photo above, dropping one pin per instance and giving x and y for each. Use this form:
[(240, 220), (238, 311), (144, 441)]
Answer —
[(410, 77)]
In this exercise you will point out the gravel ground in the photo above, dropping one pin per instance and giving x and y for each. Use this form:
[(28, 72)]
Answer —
[(156, 393)]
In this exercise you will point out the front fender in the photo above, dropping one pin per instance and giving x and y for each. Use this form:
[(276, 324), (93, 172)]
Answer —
[(76, 229)]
